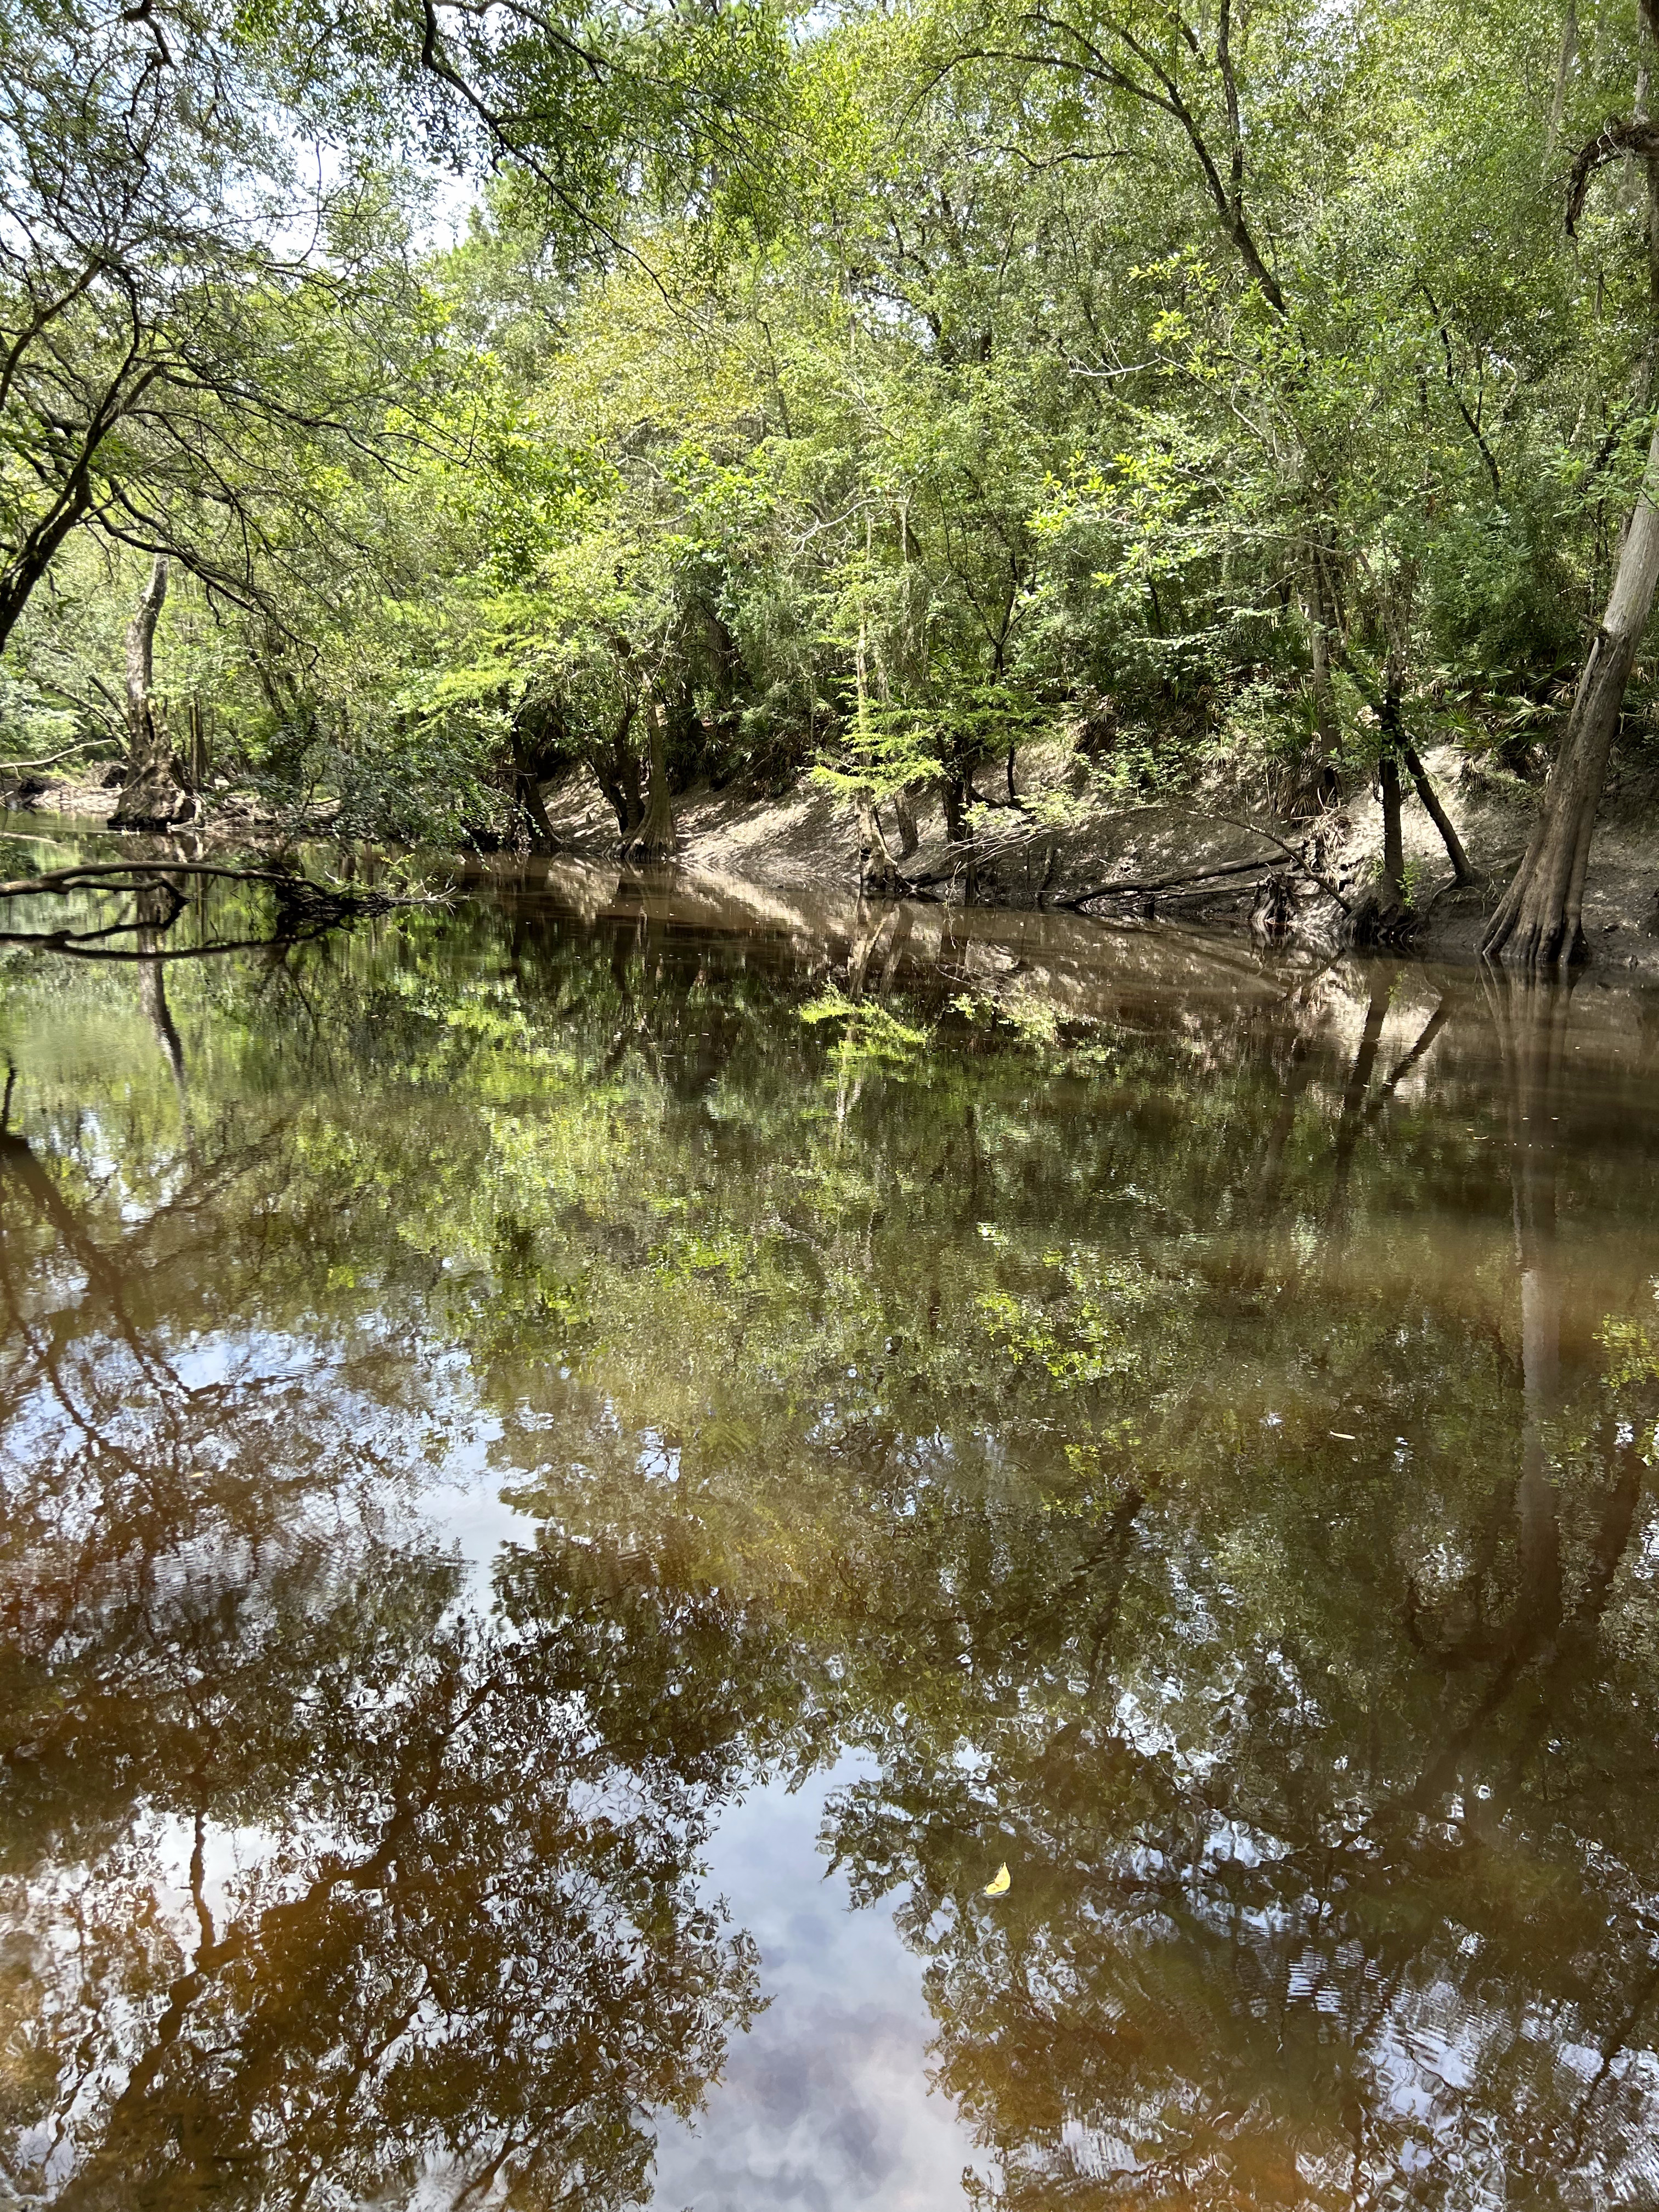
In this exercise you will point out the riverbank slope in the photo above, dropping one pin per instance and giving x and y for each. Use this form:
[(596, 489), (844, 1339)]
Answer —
[(1068, 843)]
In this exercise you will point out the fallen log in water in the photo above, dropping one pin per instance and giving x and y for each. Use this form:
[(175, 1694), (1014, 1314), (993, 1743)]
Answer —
[(305, 905), (1189, 877)]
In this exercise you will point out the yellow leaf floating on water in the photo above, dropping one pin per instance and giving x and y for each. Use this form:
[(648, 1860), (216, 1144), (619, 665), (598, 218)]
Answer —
[(1001, 1882)]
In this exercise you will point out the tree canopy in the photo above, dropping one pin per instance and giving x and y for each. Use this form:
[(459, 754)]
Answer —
[(1261, 390)]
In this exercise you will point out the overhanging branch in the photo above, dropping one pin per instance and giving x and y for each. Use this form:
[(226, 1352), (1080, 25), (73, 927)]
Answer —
[(1616, 136)]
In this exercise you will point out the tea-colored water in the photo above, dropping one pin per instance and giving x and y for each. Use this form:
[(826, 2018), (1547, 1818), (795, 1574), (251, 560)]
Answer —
[(580, 1472)]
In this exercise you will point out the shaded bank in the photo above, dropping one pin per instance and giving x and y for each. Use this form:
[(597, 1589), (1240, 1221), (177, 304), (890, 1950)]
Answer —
[(1207, 859)]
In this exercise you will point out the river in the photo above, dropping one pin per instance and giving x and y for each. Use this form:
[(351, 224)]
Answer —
[(660, 1547)]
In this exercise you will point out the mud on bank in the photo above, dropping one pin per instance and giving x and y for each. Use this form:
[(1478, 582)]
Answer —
[(1208, 857)]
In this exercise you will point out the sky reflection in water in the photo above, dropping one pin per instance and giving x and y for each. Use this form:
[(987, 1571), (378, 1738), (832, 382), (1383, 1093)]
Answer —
[(579, 1473)]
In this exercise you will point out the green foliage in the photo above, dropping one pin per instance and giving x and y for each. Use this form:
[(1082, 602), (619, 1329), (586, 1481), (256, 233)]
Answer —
[(878, 394), (1147, 1465)]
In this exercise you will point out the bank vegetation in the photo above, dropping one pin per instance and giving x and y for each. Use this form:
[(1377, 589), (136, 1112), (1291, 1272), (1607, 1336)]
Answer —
[(402, 410)]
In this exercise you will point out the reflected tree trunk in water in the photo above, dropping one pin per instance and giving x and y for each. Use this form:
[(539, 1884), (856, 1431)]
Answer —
[(1270, 1172), (903, 923), (872, 921), (1532, 1025), (1430, 1031), (156, 907), (1352, 1117), (1532, 1022)]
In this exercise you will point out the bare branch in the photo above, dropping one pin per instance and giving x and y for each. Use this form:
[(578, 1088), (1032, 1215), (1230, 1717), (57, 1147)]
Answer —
[(1615, 138)]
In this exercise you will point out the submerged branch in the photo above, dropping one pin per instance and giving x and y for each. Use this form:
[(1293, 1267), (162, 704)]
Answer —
[(306, 908), (292, 889), (1296, 855)]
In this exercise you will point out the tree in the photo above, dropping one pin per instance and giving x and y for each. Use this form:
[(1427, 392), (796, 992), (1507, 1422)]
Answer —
[(151, 798), (1540, 921), (173, 370)]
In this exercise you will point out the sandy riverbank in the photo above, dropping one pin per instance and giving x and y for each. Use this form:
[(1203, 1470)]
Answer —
[(1201, 858)]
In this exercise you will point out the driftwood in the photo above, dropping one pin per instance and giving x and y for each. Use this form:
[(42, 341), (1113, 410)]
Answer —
[(1296, 856), (975, 856), (1164, 882), (971, 855), (11, 768)]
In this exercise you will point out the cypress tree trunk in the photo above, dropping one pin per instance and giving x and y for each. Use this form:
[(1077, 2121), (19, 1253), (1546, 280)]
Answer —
[(656, 840), (1379, 915), (152, 797), (1539, 923)]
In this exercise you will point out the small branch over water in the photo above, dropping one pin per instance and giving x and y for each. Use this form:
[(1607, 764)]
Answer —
[(306, 907)]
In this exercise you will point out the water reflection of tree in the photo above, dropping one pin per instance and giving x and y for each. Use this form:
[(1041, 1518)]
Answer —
[(941, 1430), (1290, 1760), (1359, 1910), (316, 1881), (462, 1938)]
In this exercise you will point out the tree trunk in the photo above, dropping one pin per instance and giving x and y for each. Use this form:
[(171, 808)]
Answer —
[(953, 792), (1563, 73), (617, 770), (878, 870), (1393, 848), (34, 556), (1378, 917), (1462, 870), (1327, 726), (1647, 39), (152, 797), (726, 667), (909, 833), (656, 840), (614, 799), (1539, 923), (528, 795), (142, 722)]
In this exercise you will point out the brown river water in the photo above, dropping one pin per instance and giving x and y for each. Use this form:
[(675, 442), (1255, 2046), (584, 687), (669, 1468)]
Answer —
[(582, 1472)]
